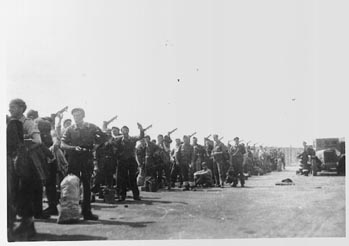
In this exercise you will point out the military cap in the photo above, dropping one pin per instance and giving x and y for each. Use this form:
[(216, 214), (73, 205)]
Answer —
[(66, 120), (77, 110), (125, 127)]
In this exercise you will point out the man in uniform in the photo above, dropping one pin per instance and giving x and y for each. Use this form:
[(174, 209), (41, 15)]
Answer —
[(237, 157), (30, 175), (45, 127), (175, 170), (165, 167), (218, 154), (140, 158), (15, 150), (115, 132), (185, 158), (79, 140), (248, 161), (199, 154), (153, 161), (209, 159), (304, 156), (127, 164), (106, 163)]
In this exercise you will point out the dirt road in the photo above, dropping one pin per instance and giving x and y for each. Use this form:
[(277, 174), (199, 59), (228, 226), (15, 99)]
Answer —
[(313, 207)]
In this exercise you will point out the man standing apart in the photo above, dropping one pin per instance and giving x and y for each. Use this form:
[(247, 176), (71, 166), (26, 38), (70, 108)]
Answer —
[(78, 140)]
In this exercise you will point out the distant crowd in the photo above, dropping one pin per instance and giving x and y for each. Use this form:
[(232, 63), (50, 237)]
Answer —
[(42, 151)]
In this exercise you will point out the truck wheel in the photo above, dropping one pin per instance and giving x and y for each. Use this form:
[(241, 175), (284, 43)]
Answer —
[(340, 171)]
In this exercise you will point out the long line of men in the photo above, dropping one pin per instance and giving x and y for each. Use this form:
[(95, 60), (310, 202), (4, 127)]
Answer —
[(41, 152)]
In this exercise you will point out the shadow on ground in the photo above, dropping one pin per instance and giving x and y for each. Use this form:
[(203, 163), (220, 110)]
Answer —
[(103, 222), (143, 201), (116, 223), (107, 205), (65, 237)]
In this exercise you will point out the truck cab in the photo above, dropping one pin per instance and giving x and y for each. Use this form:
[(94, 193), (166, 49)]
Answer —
[(327, 155)]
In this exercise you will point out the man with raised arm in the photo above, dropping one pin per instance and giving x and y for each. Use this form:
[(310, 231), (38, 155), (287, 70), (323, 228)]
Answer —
[(127, 164)]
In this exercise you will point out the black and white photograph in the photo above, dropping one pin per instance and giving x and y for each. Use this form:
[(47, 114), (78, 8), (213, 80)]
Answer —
[(175, 121)]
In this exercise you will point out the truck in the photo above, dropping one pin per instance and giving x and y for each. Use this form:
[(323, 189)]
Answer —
[(327, 155)]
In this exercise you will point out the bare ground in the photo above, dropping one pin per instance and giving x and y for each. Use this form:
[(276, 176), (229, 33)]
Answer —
[(313, 207)]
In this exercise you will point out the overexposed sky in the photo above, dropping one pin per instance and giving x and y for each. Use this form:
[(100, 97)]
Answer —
[(240, 64)]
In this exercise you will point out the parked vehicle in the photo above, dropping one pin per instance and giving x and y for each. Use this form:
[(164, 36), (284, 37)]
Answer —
[(341, 161), (327, 155)]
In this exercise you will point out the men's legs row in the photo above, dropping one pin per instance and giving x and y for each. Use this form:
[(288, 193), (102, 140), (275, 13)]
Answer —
[(25, 209), (191, 171), (216, 173), (197, 166), (220, 168), (184, 168), (37, 196), (132, 172), (238, 174), (122, 179), (242, 178), (51, 191), (167, 170), (176, 171), (109, 170)]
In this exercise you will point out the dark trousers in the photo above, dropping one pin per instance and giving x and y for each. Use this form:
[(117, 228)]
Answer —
[(29, 194), (185, 172), (11, 192), (209, 163), (151, 169), (29, 197), (104, 176), (176, 172), (127, 175), (238, 171), (51, 189), (203, 180), (164, 168), (81, 165), (219, 171)]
